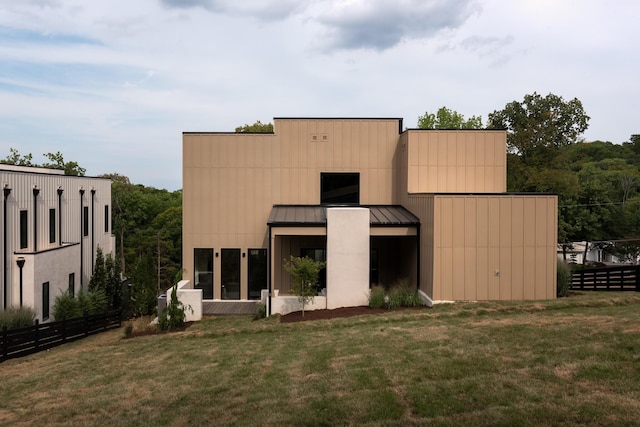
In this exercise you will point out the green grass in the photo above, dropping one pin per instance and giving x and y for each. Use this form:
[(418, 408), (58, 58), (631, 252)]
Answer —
[(571, 361)]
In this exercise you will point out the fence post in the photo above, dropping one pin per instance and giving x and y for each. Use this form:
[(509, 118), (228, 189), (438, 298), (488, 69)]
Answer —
[(36, 329), (5, 344)]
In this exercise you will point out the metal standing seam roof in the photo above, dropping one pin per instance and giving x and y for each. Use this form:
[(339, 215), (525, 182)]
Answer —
[(314, 215)]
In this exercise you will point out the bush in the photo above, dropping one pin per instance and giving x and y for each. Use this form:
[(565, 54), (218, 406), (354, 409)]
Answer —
[(66, 307), (400, 295), (377, 297), (563, 278), (17, 317), (91, 302), (261, 311)]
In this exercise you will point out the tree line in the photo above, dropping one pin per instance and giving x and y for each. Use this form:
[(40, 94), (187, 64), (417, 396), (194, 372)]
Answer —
[(596, 182)]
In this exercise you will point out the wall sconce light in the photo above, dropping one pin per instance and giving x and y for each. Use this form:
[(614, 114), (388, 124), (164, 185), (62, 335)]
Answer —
[(244, 254), (20, 262), (217, 254)]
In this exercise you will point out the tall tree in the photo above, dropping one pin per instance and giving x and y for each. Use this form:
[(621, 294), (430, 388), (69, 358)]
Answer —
[(445, 118), (538, 125)]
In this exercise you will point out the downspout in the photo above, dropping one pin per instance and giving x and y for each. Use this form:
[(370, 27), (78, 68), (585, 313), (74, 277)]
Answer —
[(60, 191), (36, 191), (6, 191), (269, 273), (93, 234), (418, 259), (81, 237)]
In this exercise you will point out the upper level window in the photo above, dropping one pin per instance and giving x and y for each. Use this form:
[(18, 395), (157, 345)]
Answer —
[(339, 188), (85, 221), (24, 229), (52, 225)]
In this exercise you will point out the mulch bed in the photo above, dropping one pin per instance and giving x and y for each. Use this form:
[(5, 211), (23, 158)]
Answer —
[(337, 313)]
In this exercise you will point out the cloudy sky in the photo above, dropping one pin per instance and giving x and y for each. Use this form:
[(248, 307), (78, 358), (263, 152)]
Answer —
[(113, 84)]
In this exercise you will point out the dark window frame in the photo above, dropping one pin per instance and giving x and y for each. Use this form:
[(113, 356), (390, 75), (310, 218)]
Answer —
[(52, 225), (45, 300), (254, 270), (340, 188), (106, 218), (203, 278), (72, 284), (24, 229), (85, 221)]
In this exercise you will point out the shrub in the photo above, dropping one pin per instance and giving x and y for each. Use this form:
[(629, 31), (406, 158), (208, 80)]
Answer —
[(17, 317), (377, 297), (261, 311), (563, 278), (128, 330), (66, 307), (401, 294)]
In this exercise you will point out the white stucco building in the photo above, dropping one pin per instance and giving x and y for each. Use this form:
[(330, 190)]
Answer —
[(52, 225)]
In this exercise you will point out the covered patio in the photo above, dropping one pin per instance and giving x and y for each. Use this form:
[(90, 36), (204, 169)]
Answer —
[(392, 237)]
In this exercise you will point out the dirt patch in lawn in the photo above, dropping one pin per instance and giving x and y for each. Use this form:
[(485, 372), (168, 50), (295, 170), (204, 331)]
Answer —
[(338, 313)]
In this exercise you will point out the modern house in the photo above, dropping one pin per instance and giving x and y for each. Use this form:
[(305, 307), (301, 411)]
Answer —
[(52, 226), (378, 202)]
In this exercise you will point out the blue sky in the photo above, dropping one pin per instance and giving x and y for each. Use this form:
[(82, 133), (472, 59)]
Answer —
[(113, 84)]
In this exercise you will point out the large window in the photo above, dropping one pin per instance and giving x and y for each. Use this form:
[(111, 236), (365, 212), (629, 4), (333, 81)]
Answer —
[(339, 188), (203, 271), (45, 300), (72, 284), (52, 225), (106, 218), (24, 229), (257, 271), (230, 266)]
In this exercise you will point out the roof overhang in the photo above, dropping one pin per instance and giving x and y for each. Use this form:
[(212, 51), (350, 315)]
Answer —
[(385, 220)]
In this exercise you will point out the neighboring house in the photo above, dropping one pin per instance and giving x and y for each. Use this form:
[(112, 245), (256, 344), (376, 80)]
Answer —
[(379, 203), (595, 253), (52, 225)]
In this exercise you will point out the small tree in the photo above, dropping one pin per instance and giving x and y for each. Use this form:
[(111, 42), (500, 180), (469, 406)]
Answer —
[(304, 272), (173, 316), (99, 277)]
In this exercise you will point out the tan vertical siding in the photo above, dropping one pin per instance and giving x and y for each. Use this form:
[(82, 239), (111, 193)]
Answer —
[(456, 161), (494, 247)]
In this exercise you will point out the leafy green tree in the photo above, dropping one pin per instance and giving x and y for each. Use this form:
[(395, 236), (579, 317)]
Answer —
[(538, 125), (56, 159), (57, 162), (14, 158), (257, 127), (114, 282), (445, 118), (304, 272)]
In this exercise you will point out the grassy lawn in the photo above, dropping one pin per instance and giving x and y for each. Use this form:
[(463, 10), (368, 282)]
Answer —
[(572, 361)]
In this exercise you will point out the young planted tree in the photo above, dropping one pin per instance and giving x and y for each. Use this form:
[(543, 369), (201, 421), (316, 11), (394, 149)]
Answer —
[(304, 272)]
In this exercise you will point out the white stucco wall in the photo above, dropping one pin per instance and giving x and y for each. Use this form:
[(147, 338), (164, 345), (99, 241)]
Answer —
[(53, 266), (347, 257)]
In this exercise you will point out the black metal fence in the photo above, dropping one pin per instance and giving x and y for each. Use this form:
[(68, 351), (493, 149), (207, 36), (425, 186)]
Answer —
[(32, 339), (618, 278)]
